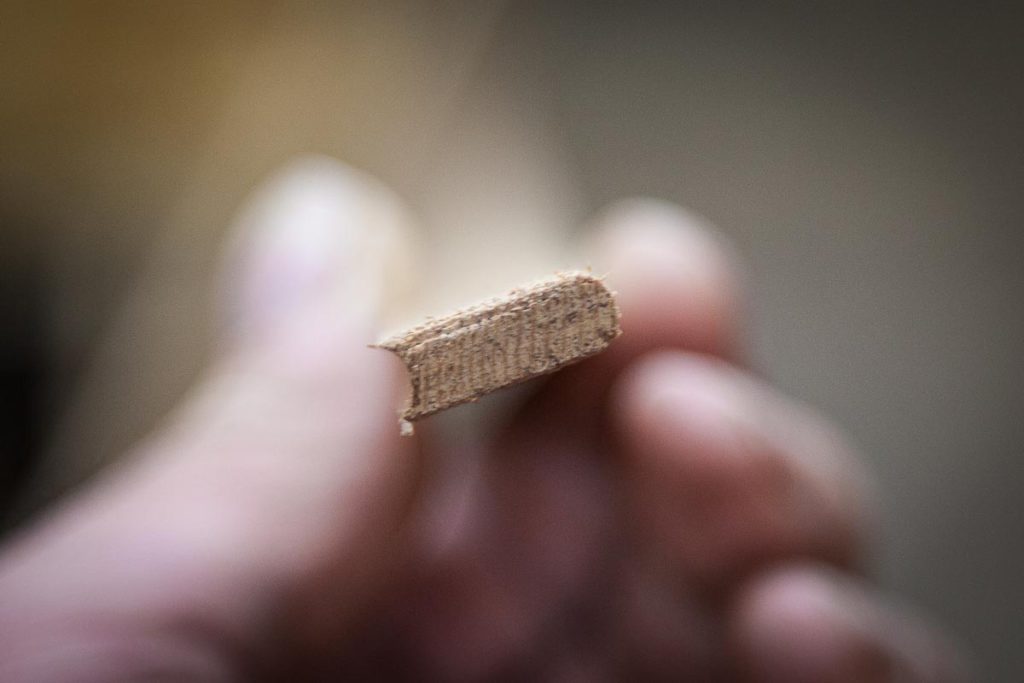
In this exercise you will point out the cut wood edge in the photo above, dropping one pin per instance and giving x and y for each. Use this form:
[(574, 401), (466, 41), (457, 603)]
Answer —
[(531, 331)]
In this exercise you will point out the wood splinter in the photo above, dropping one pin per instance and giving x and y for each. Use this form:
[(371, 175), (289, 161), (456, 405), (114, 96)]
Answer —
[(531, 331)]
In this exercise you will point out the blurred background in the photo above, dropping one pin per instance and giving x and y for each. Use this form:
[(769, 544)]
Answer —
[(867, 159)]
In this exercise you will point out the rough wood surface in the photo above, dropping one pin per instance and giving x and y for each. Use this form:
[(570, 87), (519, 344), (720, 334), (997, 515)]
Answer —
[(531, 331)]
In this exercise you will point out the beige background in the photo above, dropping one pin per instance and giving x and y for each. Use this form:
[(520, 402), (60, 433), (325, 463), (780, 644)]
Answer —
[(867, 160)]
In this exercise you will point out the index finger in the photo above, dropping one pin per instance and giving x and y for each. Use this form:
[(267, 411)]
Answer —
[(677, 284)]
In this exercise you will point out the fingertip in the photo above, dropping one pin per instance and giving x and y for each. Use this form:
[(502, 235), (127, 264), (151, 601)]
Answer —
[(316, 234), (726, 475), (811, 623), (705, 495), (677, 278), (676, 284), (669, 401), (796, 625)]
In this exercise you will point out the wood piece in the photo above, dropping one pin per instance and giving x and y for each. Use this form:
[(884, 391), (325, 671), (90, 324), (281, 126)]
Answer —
[(529, 332)]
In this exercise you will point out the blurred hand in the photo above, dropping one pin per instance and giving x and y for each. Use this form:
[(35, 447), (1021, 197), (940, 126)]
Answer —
[(655, 512)]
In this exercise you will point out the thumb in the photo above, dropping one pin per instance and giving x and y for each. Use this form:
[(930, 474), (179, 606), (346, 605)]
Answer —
[(270, 507)]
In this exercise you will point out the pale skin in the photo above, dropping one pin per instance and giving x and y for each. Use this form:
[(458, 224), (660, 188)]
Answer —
[(654, 513)]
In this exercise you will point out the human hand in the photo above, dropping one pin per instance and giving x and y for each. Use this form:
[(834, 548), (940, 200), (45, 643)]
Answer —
[(655, 512)]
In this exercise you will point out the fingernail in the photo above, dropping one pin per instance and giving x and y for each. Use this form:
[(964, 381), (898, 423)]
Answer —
[(318, 235)]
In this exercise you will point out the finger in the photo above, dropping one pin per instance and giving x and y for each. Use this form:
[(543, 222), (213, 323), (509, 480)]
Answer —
[(281, 474), (318, 231), (550, 498), (808, 623), (677, 285), (726, 475), (676, 278)]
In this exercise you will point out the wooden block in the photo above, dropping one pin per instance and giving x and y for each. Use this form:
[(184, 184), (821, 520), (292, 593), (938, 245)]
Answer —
[(529, 332)]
